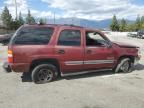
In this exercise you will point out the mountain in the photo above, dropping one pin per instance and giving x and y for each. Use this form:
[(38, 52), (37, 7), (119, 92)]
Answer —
[(104, 24)]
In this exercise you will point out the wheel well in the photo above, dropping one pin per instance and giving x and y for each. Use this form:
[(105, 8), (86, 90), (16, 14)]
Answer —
[(127, 56), (45, 61)]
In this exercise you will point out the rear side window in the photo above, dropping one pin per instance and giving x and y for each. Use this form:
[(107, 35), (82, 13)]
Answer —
[(33, 35), (70, 38)]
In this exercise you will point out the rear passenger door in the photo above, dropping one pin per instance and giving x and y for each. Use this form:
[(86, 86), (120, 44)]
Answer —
[(70, 50)]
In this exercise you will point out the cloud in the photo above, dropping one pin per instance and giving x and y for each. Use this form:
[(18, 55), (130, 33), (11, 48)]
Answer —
[(97, 9), (23, 8), (86, 9), (21, 4)]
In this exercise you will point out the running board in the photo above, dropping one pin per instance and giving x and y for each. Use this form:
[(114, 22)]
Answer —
[(84, 72)]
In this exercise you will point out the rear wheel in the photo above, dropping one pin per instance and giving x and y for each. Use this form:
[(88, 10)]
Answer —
[(44, 73), (124, 65)]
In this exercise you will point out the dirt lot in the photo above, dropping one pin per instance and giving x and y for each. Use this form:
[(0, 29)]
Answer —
[(96, 90)]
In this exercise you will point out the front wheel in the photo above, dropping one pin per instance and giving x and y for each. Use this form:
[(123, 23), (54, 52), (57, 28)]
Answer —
[(124, 65), (44, 73)]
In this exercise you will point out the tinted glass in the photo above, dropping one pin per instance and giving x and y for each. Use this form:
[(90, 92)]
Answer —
[(34, 35), (70, 38)]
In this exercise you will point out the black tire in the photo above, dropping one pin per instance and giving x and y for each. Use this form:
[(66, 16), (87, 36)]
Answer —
[(44, 73), (124, 65)]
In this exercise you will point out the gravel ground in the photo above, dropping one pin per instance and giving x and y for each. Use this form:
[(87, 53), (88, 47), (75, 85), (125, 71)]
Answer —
[(96, 90)]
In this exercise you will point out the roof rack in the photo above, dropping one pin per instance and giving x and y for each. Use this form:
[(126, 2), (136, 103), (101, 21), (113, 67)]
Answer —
[(72, 25)]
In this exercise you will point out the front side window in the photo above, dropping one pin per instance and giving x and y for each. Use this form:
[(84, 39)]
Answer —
[(70, 38), (33, 35), (94, 39)]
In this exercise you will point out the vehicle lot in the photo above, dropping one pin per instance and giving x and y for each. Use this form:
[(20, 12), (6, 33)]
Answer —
[(96, 90)]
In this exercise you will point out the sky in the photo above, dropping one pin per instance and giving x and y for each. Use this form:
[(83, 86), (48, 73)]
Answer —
[(85, 9)]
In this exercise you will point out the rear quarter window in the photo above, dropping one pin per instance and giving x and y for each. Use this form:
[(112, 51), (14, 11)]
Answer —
[(33, 36)]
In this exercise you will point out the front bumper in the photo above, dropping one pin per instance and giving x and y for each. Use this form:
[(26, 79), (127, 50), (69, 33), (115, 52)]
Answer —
[(137, 59), (6, 67)]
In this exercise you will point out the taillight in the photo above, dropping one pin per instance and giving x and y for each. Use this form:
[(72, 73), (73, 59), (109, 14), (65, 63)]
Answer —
[(10, 56)]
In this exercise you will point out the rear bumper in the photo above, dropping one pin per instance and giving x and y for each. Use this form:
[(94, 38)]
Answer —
[(15, 67), (7, 67), (19, 67)]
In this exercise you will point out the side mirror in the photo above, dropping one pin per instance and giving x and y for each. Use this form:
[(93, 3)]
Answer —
[(108, 44)]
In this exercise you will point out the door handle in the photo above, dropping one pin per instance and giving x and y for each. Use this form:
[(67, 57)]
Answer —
[(88, 51), (61, 51)]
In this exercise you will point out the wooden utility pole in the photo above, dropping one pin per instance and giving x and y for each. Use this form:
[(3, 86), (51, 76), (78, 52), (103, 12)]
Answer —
[(54, 18), (16, 9)]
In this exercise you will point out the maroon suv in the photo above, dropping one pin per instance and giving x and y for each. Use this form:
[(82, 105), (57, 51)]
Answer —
[(51, 50)]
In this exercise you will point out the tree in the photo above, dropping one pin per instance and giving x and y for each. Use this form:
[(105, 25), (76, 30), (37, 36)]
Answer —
[(14, 25), (142, 20), (123, 25), (131, 27), (6, 18), (42, 21), (138, 23), (114, 25), (20, 19), (30, 19), (45, 20)]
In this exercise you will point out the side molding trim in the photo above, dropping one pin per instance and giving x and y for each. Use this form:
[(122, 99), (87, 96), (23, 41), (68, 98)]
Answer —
[(83, 72)]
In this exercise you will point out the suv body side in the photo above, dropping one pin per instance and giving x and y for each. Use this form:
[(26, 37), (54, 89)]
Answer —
[(69, 58)]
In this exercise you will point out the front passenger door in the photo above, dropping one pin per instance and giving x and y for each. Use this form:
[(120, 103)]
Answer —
[(97, 53)]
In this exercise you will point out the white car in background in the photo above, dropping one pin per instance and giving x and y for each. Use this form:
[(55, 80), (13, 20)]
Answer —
[(107, 33), (132, 34), (141, 34)]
